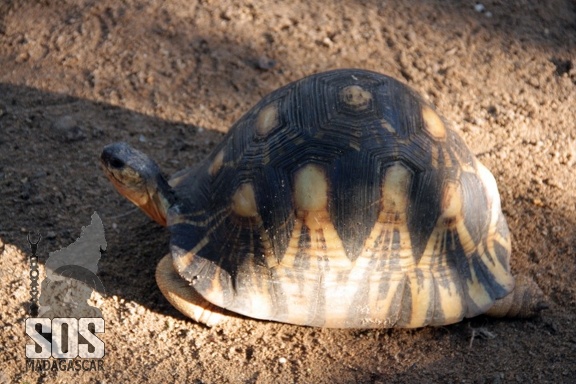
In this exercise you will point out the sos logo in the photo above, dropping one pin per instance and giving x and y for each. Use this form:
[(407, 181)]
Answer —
[(69, 338)]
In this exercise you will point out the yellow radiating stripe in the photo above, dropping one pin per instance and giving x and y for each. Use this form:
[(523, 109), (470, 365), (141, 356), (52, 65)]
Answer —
[(215, 294), (450, 302), (263, 295), (326, 250), (327, 246), (380, 305), (422, 295), (338, 294), (500, 272), (387, 126), (443, 281), (296, 298), (184, 261), (395, 194), (303, 289), (325, 240), (478, 293), (379, 249), (217, 163), (466, 167), (434, 155), (255, 290), (447, 158), (289, 257), (466, 241), (186, 219), (269, 256)]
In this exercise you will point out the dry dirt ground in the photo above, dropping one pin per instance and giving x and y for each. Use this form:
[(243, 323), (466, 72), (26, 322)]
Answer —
[(171, 76)]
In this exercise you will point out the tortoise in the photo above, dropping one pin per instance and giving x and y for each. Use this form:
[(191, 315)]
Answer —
[(341, 200)]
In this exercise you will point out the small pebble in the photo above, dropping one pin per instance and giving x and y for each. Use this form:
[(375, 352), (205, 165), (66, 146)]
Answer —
[(282, 360), (265, 63), (479, 7), (67, 129)]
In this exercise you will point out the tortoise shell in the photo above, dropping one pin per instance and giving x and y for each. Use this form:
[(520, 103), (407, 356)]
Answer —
[(342, 200)]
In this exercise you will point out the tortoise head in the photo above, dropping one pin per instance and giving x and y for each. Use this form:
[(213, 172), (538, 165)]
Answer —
[(138, 178)]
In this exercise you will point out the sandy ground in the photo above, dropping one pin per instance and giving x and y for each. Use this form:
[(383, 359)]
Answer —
[(171, 76)]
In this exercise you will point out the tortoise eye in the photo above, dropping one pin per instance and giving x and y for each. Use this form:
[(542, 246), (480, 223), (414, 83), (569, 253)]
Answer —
[(116, 163)]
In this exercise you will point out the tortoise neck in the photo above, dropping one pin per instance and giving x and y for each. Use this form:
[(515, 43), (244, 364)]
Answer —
[(161, 198)]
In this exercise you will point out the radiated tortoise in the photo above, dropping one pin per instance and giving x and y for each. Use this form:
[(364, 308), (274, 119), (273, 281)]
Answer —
[(340, 200)]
